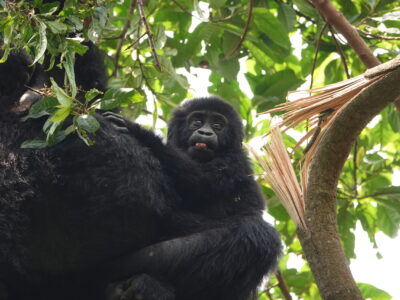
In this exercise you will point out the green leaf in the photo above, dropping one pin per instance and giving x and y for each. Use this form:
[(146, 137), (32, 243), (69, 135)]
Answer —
[(61, 95), (394, 118), (74, 21), (159, 37), (203, 32), (229, 42), (61, 114), (57, 27), (388, 221), (34, 144), (90, 95), (370, 292), (42, 45), (334, 70), (84, 137), (41, 108), (7, 50), (68, 65), (306, 8), (267, 23), (229, 68), (287, 16), (115, 97), (77, 47), (217, 3), (169, 68), (88, 123), (259, 55), (367, 216), (53, 132)]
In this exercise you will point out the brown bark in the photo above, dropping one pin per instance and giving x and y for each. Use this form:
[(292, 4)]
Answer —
[(336, 18), (321, 243)]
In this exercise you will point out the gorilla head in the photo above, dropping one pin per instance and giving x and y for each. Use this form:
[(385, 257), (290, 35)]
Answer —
[(205, 128)]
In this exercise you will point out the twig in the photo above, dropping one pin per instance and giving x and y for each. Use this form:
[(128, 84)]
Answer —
[(355, 167), (135, 41), (268, 294), (304, 16), (40, 92), (369, 35), (182, 8), (340, 51), (317, 46), (283, 286), (377, 195), (246, 29), (123, 35), (147, 112), (146, 81), (149, 35)]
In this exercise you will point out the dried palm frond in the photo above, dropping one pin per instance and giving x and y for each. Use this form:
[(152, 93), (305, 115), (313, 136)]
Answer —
[(281, 176), (320, 109), (330, 98)]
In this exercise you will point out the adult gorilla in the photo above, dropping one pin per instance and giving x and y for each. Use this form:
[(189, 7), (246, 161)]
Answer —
[(69, 212), (66, 209)]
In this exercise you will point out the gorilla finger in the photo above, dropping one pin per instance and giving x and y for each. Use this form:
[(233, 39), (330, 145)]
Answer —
[(115, 119), (110, 113), (121, 129)]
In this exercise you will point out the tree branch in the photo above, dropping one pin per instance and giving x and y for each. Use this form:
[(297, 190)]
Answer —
[(321, 244), (369, 35), (123, 36), (317, 46), (149, 35), (340, 51), (336, 18), (246, 29), (283, 286)]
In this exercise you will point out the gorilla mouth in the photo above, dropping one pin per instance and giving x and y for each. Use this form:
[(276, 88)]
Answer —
[(201, 145)]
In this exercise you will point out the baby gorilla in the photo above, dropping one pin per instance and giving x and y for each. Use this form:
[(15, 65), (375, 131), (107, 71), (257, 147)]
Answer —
[(218, 245)]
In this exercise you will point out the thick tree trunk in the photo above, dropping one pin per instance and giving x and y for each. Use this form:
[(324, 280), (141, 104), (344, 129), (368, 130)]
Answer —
[(321, 243)]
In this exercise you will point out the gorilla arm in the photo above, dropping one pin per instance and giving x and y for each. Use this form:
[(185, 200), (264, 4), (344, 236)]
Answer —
[(186, 174), (231, 256)]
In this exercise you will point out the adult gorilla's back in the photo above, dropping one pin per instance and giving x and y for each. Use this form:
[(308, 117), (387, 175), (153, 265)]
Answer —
[(71, 207)]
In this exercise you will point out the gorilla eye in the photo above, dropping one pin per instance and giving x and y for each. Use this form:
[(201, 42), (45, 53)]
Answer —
[(197, 123), (217, 126)]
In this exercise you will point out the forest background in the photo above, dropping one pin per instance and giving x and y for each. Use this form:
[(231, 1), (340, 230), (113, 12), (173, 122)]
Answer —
[(251, 53)]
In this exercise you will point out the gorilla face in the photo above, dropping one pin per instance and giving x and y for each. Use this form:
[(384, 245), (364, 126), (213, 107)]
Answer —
[(205, 128)]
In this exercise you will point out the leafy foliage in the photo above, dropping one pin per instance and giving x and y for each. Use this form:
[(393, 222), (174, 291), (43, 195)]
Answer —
[(278, 54)]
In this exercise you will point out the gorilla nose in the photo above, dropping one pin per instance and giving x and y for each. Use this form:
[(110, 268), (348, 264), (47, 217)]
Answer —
[(205, 132)]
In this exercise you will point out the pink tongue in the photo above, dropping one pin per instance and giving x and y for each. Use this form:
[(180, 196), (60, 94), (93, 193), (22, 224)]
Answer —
[(201, 145)]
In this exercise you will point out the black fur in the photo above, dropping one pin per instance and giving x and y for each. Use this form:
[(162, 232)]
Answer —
[(227, 247), (67, 209), (19, 79)]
